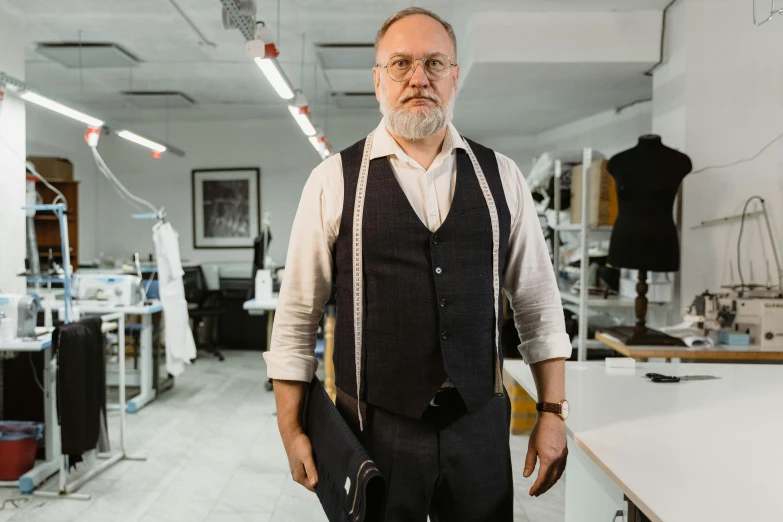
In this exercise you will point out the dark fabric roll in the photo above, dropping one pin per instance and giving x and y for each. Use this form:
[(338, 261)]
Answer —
[(81, 386), (350, 487)]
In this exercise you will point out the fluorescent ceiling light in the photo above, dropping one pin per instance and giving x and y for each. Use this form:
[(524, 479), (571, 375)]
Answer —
[(302, 120), (315, 143), (270, 70), (62, 109), (157, 147)]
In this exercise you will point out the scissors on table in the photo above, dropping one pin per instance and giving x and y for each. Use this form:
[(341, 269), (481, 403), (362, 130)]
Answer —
[(657, 377)]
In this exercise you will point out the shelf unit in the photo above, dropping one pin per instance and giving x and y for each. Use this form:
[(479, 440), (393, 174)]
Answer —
[(585, 229), (47, 227)]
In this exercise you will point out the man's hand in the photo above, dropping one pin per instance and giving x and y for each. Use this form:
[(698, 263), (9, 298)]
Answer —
[(548, 444), (289, 396), (300, 459)]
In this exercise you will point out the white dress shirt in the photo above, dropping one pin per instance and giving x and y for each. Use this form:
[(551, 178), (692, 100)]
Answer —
[(307, 285)]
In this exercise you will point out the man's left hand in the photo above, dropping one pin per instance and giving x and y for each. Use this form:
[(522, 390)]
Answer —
[(548, 445)]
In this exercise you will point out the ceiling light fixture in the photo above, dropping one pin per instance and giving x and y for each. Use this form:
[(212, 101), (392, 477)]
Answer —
[(61, 109), (135, 138), (303, 120), (269, 67)]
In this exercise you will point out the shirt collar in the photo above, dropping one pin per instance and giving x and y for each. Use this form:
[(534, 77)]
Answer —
[(384, 145)]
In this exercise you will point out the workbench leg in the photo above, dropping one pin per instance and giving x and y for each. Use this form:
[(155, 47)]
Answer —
[(270, 322), (147, 394), (38, 475)]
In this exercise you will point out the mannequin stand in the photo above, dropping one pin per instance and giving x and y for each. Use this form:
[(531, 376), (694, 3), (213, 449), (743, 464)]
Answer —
[(640, 335)]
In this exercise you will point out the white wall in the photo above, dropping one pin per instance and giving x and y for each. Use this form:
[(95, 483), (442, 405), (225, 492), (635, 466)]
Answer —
[(727, 89), (277, 147), (12, 158), (608, 132)]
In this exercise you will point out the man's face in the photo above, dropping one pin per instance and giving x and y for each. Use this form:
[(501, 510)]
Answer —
[(419, 106)]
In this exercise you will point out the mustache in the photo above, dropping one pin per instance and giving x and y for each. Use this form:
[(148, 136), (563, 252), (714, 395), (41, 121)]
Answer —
[(419, 93)]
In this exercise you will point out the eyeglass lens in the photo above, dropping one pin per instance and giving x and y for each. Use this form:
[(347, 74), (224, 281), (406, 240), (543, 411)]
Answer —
[(401, 67)]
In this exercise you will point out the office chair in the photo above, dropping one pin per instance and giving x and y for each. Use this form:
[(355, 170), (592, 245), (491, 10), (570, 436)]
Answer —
[(202, 303)]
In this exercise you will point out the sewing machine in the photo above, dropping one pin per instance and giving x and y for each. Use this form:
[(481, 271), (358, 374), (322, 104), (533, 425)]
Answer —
[(761, 318), (111, 289), (18, 316)]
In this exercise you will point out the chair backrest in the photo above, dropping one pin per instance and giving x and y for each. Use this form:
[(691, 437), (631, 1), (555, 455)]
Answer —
[(153, 290), (195, 285)]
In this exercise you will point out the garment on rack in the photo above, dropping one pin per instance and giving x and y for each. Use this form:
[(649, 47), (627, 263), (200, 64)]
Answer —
[(81, 387), (180, 347)]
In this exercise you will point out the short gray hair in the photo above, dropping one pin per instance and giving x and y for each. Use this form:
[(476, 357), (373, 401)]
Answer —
[(413, 11)]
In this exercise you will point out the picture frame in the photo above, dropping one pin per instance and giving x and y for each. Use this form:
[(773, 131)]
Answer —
[(226, 207)]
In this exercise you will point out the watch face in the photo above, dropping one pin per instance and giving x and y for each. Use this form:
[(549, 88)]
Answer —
[(565, 410)]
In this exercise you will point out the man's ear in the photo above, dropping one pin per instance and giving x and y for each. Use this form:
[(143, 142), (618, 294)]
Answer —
[(377, 79)]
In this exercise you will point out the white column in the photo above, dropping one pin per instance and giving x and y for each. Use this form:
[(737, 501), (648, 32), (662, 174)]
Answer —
[(12, 158), (718, 99)]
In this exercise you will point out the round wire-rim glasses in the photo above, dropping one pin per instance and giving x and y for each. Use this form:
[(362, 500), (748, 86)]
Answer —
[(401, 67)]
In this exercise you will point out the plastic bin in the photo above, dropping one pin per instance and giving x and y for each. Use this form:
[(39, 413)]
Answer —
[(18, 446)]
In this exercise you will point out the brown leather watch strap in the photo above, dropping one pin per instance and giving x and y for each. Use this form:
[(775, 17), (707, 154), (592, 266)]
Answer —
[(549, 407)]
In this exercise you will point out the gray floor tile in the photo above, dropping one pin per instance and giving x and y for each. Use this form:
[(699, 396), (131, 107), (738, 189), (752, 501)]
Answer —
[(215, 455)]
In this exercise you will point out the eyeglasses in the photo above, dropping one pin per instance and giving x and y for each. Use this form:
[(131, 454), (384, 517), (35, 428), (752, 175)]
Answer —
[(401, 66)]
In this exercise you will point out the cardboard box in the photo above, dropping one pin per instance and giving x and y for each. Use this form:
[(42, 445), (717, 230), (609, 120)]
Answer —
[(603, 195), (53, 169)]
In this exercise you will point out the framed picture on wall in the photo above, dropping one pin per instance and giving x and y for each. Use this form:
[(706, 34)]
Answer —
[(226, 207)]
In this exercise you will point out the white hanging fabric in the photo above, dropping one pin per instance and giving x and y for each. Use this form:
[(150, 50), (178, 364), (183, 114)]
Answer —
[(180, 347)]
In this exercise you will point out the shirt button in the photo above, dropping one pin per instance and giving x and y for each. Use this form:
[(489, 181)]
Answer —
[(435, 240), (444, 335), (439, 270), (432, 213), (442, 303)]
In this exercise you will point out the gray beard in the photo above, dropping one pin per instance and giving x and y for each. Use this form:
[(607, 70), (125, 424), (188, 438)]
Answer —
[(417, 125)]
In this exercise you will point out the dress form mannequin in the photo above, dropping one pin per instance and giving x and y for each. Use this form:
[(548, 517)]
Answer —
[(644, 236)]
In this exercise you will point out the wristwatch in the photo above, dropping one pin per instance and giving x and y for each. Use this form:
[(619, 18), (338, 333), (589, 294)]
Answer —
[(561, 408)]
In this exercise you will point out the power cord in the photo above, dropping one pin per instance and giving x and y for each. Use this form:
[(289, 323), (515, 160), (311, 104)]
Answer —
[(15, 502), (768, 145), (739, 240)]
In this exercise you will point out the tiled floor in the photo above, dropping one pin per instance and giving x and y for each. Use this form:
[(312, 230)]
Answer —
[(215, 455)]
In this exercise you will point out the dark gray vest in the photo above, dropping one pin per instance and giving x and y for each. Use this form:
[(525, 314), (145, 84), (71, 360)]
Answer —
[(428, 302)]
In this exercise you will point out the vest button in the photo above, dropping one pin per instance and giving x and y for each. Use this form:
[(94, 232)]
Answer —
[(442, 303), (444, 335), (439, 270), (435, 240)]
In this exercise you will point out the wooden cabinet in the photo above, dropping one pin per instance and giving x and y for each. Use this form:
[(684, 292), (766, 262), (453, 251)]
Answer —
[(47, 227)]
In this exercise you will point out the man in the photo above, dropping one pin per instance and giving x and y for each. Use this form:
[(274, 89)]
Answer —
[(418, 229)]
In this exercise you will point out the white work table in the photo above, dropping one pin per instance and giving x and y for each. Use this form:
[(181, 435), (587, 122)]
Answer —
[(43, 469), (38, 344), (143, 376), (684, 452)]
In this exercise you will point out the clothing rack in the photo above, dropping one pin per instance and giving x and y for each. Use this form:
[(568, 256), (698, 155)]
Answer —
[(68, 490)]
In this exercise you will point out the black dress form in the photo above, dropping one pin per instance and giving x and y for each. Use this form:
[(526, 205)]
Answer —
[(644, 237), (648, 177)]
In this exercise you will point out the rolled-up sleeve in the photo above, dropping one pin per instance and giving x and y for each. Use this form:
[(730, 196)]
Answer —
[(530, 282), (307, 283)]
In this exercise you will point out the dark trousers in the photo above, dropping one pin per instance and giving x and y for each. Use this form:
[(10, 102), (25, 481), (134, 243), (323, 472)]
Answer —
[(452, 465)]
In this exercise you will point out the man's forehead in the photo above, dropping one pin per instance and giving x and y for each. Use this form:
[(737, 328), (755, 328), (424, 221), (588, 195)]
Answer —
[(415, 36)]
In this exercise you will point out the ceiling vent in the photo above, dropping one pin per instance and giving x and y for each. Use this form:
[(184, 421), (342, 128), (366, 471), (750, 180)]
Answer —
[(346, 55), (88, 55), (159, 99), (355, 100)]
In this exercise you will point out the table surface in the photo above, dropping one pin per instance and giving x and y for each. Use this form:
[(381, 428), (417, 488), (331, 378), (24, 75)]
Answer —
[(97, 307), (695, 450), (254, 304), (719, 352), (18, 345)]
